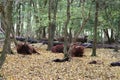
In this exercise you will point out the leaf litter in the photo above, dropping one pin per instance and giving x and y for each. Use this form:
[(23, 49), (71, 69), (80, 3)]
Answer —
[(41, 67)]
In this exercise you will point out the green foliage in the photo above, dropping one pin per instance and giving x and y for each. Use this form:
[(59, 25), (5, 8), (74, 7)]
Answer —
[(109, 14)]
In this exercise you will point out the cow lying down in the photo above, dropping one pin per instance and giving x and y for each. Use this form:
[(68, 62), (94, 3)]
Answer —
[(25, 48)]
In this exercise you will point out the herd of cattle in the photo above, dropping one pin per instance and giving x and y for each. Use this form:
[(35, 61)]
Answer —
[(76, 49), (58, 46)]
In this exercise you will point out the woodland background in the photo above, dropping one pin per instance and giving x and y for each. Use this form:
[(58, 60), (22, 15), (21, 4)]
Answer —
[(53, 19)]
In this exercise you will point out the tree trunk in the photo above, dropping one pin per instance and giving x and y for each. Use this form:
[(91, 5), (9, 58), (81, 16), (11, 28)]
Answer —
[(107, 34), (29, 27), (49, 27), (85, 20), (52, 23), (2, 27), (7, 21), (36, 10), (119, 29), (110, 38), (44, 32), (70, 35), (18, 19), (66, 54), (117, 38), (95, 29)]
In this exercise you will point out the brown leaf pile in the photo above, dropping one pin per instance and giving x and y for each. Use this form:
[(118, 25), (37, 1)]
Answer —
[(41, 67)]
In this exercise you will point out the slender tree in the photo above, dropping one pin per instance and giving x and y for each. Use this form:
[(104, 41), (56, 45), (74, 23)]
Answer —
[(18, 9), (84, 21), (66, 54), (95, 28)]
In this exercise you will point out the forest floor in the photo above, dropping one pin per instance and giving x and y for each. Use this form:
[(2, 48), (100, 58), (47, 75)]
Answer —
[(41, 67)]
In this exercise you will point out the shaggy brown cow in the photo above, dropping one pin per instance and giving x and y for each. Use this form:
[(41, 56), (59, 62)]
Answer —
[(76, 50), (57, 48), (24, 48)]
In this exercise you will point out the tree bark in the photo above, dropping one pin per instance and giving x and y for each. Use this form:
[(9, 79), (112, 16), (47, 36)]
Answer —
[(49, 27), (7, 21), (70, 35), (52, 23), (44, 32), (18, 19), (117, 37), (95, 29), (66, 54), (110, 38)]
